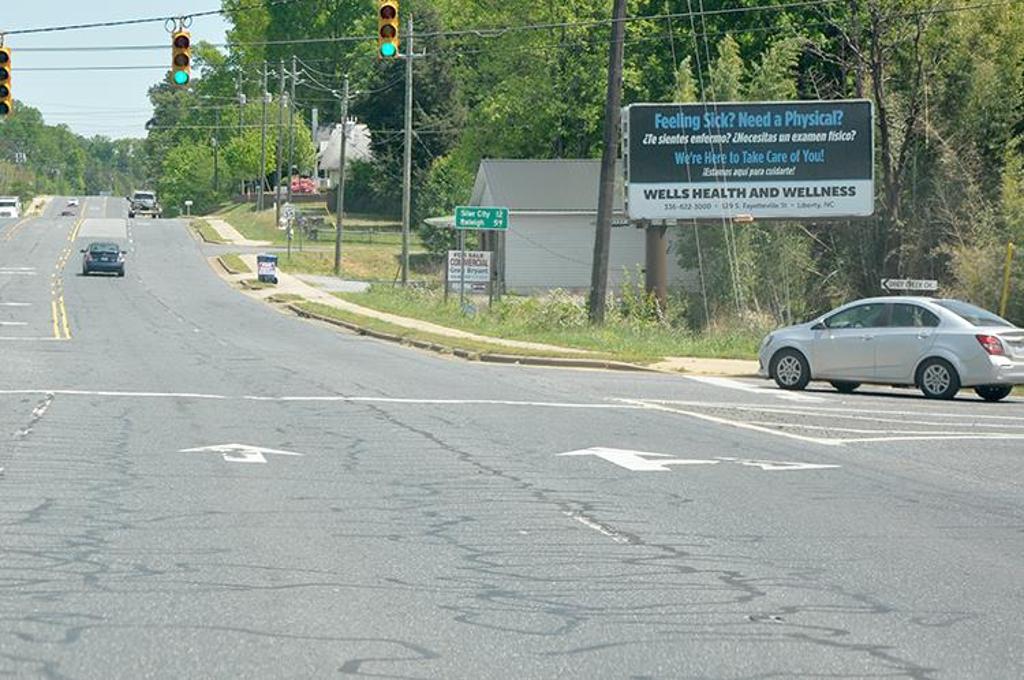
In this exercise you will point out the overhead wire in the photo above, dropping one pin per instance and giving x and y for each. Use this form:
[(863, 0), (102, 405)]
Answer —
[(147, 20)]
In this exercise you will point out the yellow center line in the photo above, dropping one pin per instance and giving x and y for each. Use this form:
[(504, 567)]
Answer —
[(56, 329), (64, 318), (9, 235)]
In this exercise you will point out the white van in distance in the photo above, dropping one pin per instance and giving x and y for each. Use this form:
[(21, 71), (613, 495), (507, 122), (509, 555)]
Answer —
[(10, 206)]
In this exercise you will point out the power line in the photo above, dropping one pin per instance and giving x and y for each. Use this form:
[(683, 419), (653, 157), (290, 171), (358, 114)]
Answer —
[(147, 20), (494, 33)]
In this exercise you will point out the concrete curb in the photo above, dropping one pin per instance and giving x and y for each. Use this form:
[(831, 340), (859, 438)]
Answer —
[(556, 362), (228, 269), (202, 237)]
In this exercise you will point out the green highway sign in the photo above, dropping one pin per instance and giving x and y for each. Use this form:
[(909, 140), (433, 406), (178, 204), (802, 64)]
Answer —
[(479, 217)]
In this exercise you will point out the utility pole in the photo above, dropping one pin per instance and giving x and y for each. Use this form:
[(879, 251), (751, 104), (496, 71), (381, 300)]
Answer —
[(340, 204), (280, 140), (216, 154), (241, 112), (265, 96), (606, 189), (407, 162), (291, 128)]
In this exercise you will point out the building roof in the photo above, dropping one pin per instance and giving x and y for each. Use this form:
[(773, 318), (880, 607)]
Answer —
[(357, 146), (564, 185)]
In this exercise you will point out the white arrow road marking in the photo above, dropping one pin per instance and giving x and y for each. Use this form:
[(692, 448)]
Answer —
[(241, 453), (645, 461), (638, 461), (778, 465)]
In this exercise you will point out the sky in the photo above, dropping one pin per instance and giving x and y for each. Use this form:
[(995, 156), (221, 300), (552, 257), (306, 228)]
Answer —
[(109, 103)]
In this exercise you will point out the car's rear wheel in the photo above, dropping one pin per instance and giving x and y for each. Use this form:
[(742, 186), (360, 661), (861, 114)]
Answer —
[(844, 386), (938, 379), (790, 370), (120, 272), (993, 392)]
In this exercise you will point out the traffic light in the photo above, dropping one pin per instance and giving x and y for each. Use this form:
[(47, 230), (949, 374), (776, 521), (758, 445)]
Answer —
[(387, 29), (181, 58), (6, 96)]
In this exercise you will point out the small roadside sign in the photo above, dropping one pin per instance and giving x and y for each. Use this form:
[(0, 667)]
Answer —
[(477, 275), (890, 285), (481, 218)]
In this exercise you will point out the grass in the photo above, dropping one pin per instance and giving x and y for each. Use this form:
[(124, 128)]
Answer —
[(561, 323), (359, 261), (208, 233), (235, 263), (443, 340), (261, 226), (284, 298), (366, 256)]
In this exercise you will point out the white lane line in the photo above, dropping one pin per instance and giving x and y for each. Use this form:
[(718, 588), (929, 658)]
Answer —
[(452, 402), (15, 304), (14, 338), (13, 323), (901, 432), (730, 384), (822, 410), (17, 269), (17, 273), (904, 421), (936, 437), (739, 424), (328, 399)]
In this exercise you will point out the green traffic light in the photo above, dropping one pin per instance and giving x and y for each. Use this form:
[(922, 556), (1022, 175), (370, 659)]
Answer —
[(181, 78), (388, 50)]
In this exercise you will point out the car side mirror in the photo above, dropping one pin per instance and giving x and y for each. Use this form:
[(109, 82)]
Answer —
[(820, 326), (124, 252), (82, 250)]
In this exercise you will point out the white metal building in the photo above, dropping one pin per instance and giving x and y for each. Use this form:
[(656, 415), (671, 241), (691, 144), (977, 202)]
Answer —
[(553, 213), (357, 147)]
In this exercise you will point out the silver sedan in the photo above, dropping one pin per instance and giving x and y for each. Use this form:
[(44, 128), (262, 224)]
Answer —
[(936, 345)]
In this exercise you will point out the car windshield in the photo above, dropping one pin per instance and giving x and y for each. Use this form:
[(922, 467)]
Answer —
[(8, 203), (104, 248), (975, 316), (144, 197)]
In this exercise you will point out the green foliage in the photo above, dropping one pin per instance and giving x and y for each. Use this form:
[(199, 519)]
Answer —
[(187, 174), (57, 161), (947, 89), (447, 185)]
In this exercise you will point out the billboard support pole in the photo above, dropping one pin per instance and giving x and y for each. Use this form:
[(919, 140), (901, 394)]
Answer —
[(656, 282), (462, 265)]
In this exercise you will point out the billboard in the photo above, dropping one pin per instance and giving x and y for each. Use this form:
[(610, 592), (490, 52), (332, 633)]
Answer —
[(789, 160)]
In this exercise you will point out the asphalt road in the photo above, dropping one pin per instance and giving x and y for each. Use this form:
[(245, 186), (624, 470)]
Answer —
[(429, 528)]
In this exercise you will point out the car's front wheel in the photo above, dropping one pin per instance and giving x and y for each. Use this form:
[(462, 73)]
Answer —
[(938, 379), (993, 392), (844, 386), (790, 370)]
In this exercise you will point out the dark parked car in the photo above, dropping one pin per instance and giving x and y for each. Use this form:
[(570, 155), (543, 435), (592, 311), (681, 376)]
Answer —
[(103, 257)]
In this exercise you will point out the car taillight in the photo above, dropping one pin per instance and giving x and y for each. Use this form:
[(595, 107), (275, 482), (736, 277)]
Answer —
[(991, 344)]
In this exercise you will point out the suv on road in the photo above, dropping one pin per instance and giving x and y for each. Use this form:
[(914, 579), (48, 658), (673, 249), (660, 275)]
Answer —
[(143, 203)]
